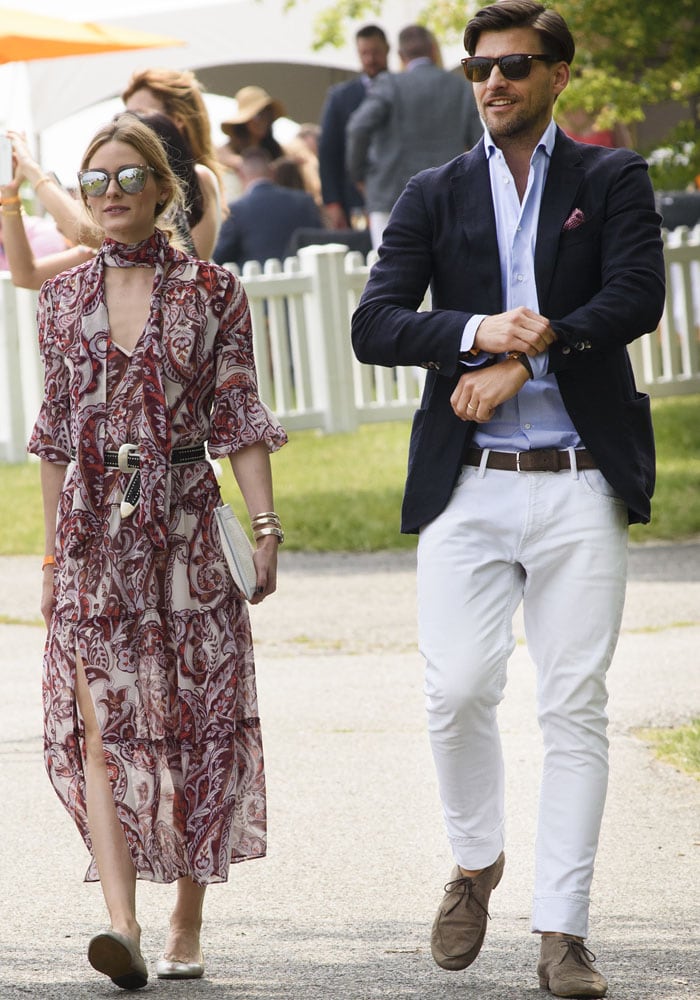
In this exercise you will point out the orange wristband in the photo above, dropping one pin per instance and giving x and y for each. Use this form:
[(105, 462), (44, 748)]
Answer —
[(48, 561)]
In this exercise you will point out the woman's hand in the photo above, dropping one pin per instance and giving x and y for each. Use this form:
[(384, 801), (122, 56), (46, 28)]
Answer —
[(11, 190), (47, 594), (265, 559), (25, 162)]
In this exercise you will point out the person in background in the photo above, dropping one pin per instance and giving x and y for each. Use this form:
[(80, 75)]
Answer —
[(579, 124), (52, 196), (250, 127), (530, 453), (262, 221), (341, 198), (285, 171), (303, 148), (190, 223), (152, 735), (409, 121), (178, 95), (41, 235), (31, 263), (28, 264)]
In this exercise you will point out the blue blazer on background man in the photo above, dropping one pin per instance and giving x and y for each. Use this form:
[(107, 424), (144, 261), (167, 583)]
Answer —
[(261, 222), (336, 186), (600, 282)]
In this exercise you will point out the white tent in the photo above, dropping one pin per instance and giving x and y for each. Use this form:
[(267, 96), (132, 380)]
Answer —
[(228, 44)]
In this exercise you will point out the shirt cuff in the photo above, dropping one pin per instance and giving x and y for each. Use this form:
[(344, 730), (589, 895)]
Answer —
[(467, 342)]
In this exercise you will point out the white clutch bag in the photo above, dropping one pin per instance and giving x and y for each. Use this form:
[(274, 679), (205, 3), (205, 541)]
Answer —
[(237, 550)]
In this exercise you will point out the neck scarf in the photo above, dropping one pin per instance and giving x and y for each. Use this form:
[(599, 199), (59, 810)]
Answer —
[(154, 444), (154, 441)]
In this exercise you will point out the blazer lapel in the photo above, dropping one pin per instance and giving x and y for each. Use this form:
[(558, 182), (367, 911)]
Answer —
[(471, 188), (564, 179)]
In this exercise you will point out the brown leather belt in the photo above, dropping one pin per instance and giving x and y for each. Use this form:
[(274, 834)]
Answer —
[(536, 460)]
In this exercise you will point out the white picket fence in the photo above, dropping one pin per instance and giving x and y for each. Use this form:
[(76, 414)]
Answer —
[(307, 372), (667, 362)]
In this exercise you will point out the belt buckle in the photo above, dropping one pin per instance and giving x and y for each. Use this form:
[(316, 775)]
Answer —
[(518, 467), (538, 460), (123, 456)]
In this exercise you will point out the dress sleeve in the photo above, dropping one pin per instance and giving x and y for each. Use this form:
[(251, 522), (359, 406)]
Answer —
[(239, 417), (50, 438)]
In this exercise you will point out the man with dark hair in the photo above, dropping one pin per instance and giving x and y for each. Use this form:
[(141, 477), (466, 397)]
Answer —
[(260, 224), (530, 453), (419, 118), (340, 196)]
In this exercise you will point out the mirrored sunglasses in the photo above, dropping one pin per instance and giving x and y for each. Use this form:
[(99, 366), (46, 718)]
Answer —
[(517, 66), (130, 178)]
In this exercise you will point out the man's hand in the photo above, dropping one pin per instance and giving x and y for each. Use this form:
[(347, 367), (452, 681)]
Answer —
[(479, 392), (335, 213), (519, 329)]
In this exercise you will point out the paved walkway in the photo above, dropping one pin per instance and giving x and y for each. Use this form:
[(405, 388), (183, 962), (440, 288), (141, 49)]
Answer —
[(341, 908)]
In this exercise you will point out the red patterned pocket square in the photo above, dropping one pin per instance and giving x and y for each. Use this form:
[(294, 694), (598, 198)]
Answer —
[(576, 219)]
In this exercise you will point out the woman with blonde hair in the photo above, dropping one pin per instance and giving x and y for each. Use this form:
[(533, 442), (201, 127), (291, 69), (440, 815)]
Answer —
[(30, 271), (152, 736), (178, 95)]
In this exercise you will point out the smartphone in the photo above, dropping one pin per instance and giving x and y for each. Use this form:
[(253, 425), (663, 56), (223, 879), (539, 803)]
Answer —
[(6, 169)]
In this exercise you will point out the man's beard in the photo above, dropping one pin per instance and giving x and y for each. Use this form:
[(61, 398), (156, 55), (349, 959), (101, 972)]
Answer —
[(506, 128)]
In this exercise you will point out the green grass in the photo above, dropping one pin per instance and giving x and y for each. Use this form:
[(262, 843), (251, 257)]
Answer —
[(342, 492), (21, 518), (676, 503), (679, 746)]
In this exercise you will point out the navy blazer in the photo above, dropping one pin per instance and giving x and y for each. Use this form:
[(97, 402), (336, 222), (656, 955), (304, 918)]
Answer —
[(261, 223), (600, 283), (336, 186)]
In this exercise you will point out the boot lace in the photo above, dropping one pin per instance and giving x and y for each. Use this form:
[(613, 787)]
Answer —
[(579, 952), (464, 887)]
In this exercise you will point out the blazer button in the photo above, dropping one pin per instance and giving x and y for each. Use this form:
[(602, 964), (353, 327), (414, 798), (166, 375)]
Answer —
[(566, 350)]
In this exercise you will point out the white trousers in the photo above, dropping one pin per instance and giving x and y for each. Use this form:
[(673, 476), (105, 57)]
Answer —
[(558, 542)]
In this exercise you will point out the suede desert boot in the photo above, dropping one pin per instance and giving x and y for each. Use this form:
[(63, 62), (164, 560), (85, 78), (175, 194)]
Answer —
[(566, 968), (460, 925)]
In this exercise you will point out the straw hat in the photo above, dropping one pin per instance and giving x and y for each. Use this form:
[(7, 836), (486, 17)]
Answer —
[(251, 101)]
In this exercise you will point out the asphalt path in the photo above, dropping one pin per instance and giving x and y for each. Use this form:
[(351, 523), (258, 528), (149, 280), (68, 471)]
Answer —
[(341, 908)]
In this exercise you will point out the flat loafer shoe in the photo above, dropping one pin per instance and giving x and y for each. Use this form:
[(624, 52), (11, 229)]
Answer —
[(118, 957), (167, 969)]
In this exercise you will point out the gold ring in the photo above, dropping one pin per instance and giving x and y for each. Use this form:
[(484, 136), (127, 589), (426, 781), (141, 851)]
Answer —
[(472, 407)]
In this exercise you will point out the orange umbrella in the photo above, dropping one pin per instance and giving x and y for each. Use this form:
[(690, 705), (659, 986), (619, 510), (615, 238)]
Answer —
[(25, 36)]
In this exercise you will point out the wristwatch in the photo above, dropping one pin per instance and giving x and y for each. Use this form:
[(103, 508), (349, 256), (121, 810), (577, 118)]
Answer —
[(522, 357)]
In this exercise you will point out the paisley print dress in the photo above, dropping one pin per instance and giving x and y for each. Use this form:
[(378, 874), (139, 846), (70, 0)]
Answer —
[(147, 600)]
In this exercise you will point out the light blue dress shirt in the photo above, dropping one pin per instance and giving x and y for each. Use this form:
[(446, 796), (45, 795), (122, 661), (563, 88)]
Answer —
[(536, 416)]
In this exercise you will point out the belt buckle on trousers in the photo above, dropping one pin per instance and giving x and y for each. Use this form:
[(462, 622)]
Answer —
[(539, 460)]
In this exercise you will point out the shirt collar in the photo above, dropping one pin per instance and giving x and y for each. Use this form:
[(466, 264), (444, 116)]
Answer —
[(546, 142)]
